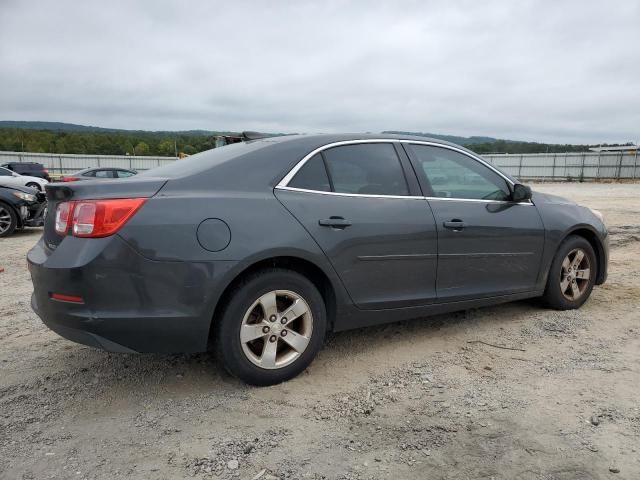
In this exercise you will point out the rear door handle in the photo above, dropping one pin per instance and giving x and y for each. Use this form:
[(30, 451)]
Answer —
[(454, 224), (334, 222)]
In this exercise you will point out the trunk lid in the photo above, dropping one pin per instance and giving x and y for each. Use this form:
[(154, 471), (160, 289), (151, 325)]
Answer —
[(142, 187)]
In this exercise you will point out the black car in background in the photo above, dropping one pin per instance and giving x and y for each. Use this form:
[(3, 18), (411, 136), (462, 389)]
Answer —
[(257, 249), (99, 173), (19, 208), (31, 169)]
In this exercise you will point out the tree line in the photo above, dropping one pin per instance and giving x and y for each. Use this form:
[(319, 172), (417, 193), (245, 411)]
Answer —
[(505, 146), (170, 144), (104, 143)]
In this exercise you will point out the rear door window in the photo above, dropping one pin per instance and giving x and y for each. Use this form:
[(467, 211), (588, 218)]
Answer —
[(365, 169), (124, 173)]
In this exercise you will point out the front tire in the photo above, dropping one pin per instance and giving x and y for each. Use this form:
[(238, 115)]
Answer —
[(572, 274), (271, 328), (8, 220), (35, 186)]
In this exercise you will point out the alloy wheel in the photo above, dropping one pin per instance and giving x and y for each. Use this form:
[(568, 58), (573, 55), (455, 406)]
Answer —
[(5, 220), (575, 274), (276, 329)]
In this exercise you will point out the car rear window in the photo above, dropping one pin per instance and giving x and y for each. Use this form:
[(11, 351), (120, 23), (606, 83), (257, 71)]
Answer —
[(205, 160)]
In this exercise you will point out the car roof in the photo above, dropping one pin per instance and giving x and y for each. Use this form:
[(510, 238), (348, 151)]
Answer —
[(259, 164), (326, 138), (23, 163)]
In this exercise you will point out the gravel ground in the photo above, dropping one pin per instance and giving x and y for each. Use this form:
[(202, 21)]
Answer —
[(418, 399)]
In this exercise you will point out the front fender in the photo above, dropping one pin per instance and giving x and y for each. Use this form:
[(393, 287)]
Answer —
[(563, 219)]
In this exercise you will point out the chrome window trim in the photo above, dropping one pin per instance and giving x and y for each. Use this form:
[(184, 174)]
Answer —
[(367, 195), (289, 176), (283, 184), (476, 200), (404, 197)]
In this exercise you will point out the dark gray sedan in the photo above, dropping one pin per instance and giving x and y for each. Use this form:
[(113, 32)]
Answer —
[(258, 249)]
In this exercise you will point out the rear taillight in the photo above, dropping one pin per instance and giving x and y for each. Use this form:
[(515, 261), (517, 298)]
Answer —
[(95, 218), (63, 217), (70, 179)]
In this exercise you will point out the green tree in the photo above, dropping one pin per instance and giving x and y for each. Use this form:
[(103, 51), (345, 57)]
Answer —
[(167, 148), (189, 149), (142, 149)]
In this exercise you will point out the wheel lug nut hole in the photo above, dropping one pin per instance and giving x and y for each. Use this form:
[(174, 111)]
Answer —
[(283, 320), (284, 333), (265, 329), (272, 338)]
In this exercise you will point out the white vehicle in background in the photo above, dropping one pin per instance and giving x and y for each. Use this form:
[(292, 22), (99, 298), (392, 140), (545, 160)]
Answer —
[(9, 178)]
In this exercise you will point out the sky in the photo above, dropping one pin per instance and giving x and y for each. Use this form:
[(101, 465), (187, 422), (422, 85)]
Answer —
[(550, 71)]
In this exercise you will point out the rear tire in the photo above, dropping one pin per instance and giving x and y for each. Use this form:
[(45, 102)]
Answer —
[(572, 274), (256, 341), (8, 220)]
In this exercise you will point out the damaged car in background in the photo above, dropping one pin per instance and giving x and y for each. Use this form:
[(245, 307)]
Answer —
[(20, 207)]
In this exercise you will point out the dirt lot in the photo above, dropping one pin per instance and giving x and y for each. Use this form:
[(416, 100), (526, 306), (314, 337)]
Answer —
[(417, 399)]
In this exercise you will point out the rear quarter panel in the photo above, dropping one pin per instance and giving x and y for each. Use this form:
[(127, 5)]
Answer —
[(165, 230)]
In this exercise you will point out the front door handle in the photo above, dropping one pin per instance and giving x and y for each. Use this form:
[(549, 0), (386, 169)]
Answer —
[(334, 222), (454, 224)]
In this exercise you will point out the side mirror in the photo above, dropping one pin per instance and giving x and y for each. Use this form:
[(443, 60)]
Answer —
[(521, 193)]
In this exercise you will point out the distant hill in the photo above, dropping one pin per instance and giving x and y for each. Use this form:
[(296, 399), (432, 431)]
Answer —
[(72, 127), (55, 126), (59, 137), (452, 138)]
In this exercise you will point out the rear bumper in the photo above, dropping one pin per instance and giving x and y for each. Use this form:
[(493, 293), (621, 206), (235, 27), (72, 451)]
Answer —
[(130, 303), (62, 326)]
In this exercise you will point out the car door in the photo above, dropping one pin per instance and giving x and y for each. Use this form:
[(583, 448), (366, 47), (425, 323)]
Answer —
[(375, 228), (487, 244)]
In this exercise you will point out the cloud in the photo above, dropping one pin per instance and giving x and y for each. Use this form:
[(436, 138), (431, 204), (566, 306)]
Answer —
[(547, 71)]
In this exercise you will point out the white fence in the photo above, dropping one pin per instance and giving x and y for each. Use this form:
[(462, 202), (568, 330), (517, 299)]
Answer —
[(587, 166), (59, 164), (569, 166)]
